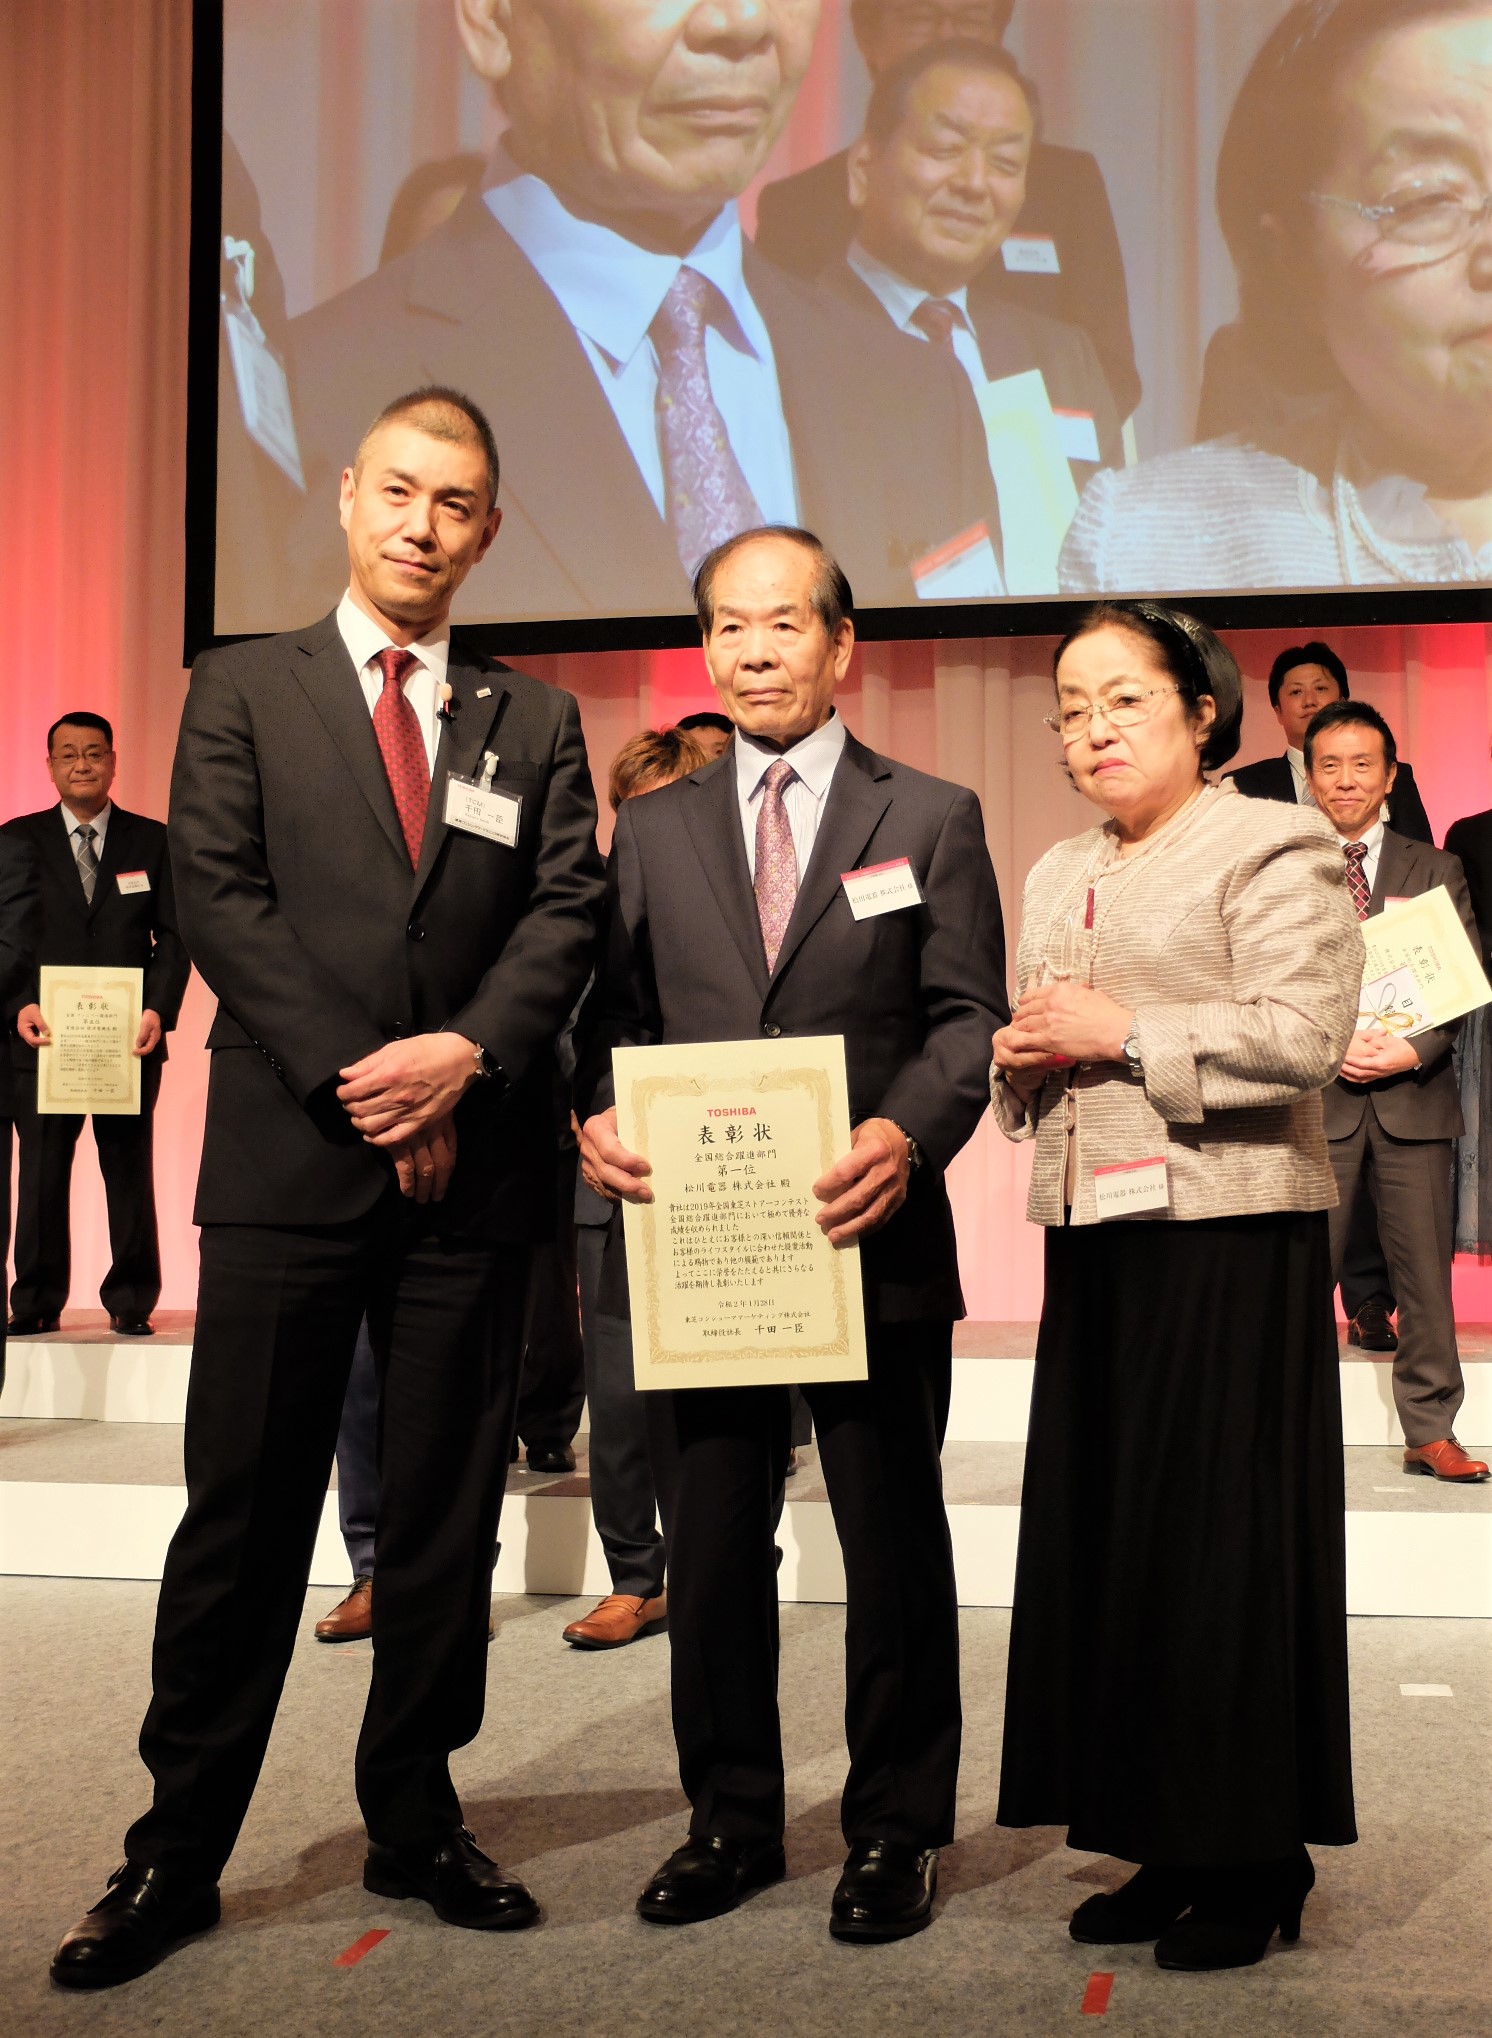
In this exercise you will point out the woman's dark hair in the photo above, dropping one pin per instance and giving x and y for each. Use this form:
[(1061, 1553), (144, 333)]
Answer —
[(1339, 714), (1199, 662), (1279, 141), (1314, 653)]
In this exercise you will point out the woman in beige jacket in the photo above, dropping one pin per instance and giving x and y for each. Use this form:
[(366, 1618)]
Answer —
[(1188, 980)]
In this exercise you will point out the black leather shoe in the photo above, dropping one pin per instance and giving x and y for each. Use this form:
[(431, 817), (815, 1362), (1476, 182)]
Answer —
[(1144, 1907), (145, 1913), (32, 1326), (886, 1891), (1372, 1330), (550, 1458), (1235, 1913), (132, 1324), (458, 1881), (705, 1878)]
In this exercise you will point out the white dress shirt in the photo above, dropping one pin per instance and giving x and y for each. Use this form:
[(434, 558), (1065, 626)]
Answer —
[(901, 300), (364, 640), (1373, 843), (1296, 760), (815, 759), (99, 824), (611, 290)]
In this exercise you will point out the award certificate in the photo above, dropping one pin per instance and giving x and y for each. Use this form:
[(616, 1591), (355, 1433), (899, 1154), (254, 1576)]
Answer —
[(1421, 969), (93, 1016), (733, 1284)]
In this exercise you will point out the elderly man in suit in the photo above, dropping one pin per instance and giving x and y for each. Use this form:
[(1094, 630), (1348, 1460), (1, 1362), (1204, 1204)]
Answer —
[(1064, 263), (729, 920), (17, 936), (657, 385), (385, 858), (104, 898), (1393, 1113)]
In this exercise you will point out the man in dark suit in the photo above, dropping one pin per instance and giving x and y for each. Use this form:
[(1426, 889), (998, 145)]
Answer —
[(1394, 1112), (104, 897), (728, 920), (17, 968), (1470, 840), (655, 382), (1064, 262), (385, 860)]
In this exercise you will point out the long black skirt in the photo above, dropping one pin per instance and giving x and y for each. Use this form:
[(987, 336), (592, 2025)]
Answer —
[(1178, 1650)]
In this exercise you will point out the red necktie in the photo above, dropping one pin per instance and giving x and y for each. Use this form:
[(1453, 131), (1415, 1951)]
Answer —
[(397, 727), (1357, 883), (936, 317)]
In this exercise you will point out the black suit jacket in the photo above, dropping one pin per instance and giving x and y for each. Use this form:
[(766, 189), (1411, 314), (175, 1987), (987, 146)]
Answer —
[(806, 223), (17, 957), (302, 913), (128, 930), (916, 994), (887, 447), (1423, 1103), (1272, 779), (1471, 841)]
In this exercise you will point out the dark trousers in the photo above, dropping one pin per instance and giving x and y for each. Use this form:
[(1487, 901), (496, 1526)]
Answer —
[(5, 1146), (277, 1319), (1364, 1274), (125, 1145), (357, 1457), (552, 1391), (624, 1497), (1410, 1180), (879, 1442)]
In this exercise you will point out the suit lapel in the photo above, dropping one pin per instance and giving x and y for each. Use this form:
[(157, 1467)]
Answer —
[(55, 842), (858, 797), (325, 673), (465, 730), (116, 847), (1395, 875), (713, 818)]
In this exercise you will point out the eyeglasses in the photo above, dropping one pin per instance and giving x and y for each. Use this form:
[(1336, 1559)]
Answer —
[(1423, 222), (1123, 710), (79, 756)]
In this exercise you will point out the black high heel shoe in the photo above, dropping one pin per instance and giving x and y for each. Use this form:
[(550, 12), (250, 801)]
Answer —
[(1142, 1908), (1236, 1912)]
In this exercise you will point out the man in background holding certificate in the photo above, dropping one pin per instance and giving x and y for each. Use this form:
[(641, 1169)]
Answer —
[(735, 914)]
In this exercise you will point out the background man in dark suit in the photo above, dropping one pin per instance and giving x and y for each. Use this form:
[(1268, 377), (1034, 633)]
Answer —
[(17, 964), (1302, 681), (1394, 1112), (728, 921), (657, 385), (1066, 263), (104, 897), (384, 849)]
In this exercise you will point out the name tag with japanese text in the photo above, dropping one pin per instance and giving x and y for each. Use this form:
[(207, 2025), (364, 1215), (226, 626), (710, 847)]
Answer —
[(1130, 1187), (477, 809), (131, 881), (882, 888), (1030, 255)]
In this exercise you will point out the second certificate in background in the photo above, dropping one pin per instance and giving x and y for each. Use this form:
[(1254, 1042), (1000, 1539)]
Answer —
[(733, 1283)]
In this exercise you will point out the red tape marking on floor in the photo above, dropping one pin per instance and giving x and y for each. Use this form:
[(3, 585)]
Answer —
[(1096, 1994), (358, 1948)]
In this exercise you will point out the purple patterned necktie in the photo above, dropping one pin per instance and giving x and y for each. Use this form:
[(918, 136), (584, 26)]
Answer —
[(936, 317), (1357, 882), (776, 860), (708, 496)]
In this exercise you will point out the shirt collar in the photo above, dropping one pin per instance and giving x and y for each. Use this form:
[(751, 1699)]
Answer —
[(609, 288), (364, 639), (1296, 760), (813, 759), (900, 297), (1372, 841), (99, 822)]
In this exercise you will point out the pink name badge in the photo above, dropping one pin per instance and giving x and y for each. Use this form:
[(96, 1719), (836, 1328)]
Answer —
[(133, 881), (1131, 1187), (881, 888)]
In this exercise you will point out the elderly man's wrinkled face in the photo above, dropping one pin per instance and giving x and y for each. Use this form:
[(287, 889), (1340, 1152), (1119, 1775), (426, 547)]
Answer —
[(1411, 328), (774, 665), (936, 200), (641, 108)]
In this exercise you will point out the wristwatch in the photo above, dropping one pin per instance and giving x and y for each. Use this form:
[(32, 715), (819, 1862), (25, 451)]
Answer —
[(914, 1151), (486, 1066), (1131, 1051)]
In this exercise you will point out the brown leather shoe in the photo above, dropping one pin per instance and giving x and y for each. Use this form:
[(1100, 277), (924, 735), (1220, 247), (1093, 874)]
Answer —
[(352, 1621), (620, 1618), (1372, 1329), (1444, 1460)]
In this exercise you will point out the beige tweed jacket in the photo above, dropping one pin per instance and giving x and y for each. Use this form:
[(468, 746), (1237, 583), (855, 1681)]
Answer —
[(1232, 938)]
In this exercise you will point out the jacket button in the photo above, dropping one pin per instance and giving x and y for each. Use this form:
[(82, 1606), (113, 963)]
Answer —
[(772, 1030), (415, 931)]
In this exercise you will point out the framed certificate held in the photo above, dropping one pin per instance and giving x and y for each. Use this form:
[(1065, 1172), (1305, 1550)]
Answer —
[(93, 1016), (733, 1284)]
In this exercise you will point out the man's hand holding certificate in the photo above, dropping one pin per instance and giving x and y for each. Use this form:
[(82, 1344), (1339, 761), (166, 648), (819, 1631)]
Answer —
[(1421, 970)]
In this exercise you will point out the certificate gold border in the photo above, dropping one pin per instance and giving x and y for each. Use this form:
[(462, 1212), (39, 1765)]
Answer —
[(59, 981)]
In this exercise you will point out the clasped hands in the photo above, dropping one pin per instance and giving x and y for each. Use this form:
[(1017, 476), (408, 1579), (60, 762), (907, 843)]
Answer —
[(35, 1031), (1372, 1056), (402, 1097), (1055, 1025), (857, 1195)]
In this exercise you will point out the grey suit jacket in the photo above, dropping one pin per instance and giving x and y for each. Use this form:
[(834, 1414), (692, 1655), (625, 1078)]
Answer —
[(1422, 1103), (916, 994)]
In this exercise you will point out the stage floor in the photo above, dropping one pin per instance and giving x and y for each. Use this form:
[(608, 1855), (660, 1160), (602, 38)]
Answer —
[(572, 1783)]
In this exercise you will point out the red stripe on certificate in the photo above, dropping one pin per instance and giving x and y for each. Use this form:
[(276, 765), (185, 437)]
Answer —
[(359, 1949), (1096, 1994)]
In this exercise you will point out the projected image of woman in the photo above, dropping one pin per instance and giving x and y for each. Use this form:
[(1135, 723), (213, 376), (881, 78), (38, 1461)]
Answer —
[(1355, 190)]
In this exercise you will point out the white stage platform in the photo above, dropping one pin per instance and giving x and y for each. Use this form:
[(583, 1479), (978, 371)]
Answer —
[(90, 1482)]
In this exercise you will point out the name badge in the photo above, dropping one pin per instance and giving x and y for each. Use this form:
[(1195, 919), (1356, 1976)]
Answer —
[(964, 568), (1130, 1187), (476, 809), (133, 881), (1078, 434), (881, 888), (1030, 255)]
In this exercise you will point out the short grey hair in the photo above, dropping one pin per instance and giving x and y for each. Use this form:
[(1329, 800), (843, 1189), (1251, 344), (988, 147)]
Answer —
[(832, 597)]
